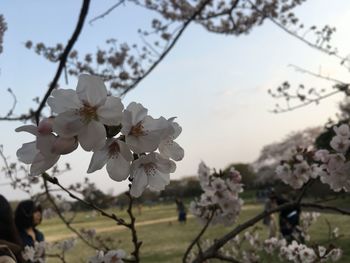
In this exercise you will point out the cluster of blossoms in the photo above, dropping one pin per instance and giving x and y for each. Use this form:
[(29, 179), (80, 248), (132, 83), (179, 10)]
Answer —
[(112, 256), (36, 253), (124, 140), (300, 253), (220, 201), (331, 166)]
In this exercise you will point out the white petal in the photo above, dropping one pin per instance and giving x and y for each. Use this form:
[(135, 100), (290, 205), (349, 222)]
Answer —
[(91, 90), (111, 112), (165, 165), (158, 181), (118, 168), (62, 100), (41, 164), (139, 182), (98, 160), (138, 112), (27, 152), (159, 127), (28, 128), (92, 136), (64, 145), (68, 124), (142, 144), (177, 130), (126, 122), (125, 151), (171, 149)]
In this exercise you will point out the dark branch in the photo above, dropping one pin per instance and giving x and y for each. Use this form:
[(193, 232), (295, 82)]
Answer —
[(168, 49), (131, 226), (67, 223), (64, 56), (326, 207), (196, 240)]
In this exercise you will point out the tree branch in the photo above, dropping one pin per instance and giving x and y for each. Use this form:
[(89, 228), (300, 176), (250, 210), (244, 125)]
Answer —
[(109, 10), (131, 226), (64, 56), (52, 201), (326, 207), (200, 234), (168, 49)]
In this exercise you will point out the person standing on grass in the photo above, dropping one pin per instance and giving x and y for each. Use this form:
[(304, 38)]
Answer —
[(181, 209), (28, 215), (10, 241)]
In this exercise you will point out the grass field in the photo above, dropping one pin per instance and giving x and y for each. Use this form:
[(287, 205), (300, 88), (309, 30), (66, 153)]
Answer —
[(164, 239)]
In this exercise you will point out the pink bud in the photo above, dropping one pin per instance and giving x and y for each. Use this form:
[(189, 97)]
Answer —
[(64, 145), (45, 126)]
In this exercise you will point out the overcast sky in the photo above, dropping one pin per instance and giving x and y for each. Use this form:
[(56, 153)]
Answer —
[(216, 85)]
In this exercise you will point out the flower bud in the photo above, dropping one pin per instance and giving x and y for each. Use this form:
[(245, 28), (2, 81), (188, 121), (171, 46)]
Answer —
[(45, 126)]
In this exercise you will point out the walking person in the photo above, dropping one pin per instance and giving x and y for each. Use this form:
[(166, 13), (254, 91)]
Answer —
[(181, 209)]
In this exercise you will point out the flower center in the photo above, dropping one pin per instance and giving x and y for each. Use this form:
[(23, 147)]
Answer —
[(88, 113), (113, 149), (150, 169), (137, 130)]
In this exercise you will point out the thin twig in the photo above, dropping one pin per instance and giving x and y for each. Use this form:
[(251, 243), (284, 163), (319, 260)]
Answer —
[(200, 234), (307, 103), (112, 216), (317, 75), (68, 225), (285, 29), (109, 10), (168, 49)]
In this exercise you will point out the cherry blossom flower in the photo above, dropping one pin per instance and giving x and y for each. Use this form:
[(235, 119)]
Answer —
[(220, 200), (117, 157), (151, 171), (168, 147), (340, 144), (36, 253), (142, 132), (44, 152), (295, 177), (343, 130), (84, 112), (112, 256)]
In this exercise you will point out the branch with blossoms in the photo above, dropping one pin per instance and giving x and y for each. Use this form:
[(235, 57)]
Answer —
[(131, 144), (320, 40), (62, 64), (297, 174), (304, 95)]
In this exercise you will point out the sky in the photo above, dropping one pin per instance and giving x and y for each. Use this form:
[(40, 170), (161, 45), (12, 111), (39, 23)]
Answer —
[(215, 85)]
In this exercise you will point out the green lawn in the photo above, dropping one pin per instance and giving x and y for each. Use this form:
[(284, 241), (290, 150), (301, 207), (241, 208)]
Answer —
[(167, 241)]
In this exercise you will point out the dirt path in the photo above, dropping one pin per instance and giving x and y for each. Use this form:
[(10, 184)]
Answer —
[(118, 228), (114, 228)]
